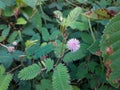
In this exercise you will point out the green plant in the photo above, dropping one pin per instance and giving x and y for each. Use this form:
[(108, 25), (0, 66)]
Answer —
[(57, 44)]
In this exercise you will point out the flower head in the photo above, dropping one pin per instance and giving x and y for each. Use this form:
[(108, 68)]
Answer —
[(73, 44), (11, 49)]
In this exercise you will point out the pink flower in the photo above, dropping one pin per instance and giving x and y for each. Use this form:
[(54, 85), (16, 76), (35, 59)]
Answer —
[(73, 44), (11, 49)]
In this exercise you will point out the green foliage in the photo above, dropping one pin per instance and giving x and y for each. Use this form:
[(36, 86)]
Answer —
[(36, 21), (12, 37), (73, 16), (94, 48), (110, 50), (79, 25), (43, 51), (30, 43), (29, 72), (49, 64), (54, 35), (2, 5), (8, 2), (21, 21), (7, 12), (61, 78), (28, 30), (4, 81), (37, 31), (73, 56), (57, 49), (2, 69), (87, 38), (44, 85), (82, 71), (6, 58), (31, 3), (45, 34), (17, 55), (4, 34), (24, 85)]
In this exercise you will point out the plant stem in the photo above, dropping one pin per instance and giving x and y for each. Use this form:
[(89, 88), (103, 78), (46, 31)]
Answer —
[(15, 68), (93, 36), (3, 45), (62, 30)]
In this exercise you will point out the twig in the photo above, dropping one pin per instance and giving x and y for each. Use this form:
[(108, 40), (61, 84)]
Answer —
[(93, 36), (3, 45), (71, 3), (15, 68)]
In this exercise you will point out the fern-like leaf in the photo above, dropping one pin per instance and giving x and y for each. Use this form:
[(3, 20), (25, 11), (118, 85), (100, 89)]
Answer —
[(2, 69), (4, 81), (49, 64), (61, 78), (43, 51), (29, 72), (111, 50), (72, 16)]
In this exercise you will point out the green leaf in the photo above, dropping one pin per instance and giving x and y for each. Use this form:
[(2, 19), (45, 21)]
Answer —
[(73, 56), (29, 72), (31, 3), (9, 2), (2, 69), (82, 26), (111, 50), (82, 71), (36, 21), (3, 26), (42, 51), (45, 34), (24, 85), (72, 17), (87, 38), (93, 82), (94, 48), (6, 58), (2, 5), (21, 21), (92, 66), (28, 30), (49, 64), (75, 88), (98, 14), (5, 81), (2, 38), (32, 50), (30, 43), (12, 37), (45, 16), (5, 32), (54, 35), (16, 55), (44, 85), (8, 12), (61, 78)]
